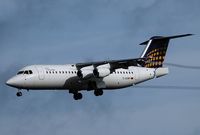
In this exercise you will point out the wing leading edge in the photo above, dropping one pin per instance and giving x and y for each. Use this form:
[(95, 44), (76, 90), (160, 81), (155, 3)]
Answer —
[(114, 64)]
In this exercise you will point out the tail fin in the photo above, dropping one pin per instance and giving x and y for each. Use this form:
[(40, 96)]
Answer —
[(155, 50)]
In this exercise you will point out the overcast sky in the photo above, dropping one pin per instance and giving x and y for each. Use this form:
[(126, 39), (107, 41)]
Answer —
[(70, 31)]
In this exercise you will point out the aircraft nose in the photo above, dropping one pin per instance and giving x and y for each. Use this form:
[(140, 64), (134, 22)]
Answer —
[(11, 82), (14, 82), (8, 82)]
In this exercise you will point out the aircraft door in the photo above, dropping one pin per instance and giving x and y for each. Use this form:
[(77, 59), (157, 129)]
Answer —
[(41, 74)]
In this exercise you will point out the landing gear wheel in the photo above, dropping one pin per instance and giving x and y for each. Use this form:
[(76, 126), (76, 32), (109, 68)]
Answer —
[(19, 94), (78, 96), (98, 92)]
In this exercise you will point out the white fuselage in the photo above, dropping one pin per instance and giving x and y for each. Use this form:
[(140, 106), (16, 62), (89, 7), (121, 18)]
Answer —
[(64, 77)]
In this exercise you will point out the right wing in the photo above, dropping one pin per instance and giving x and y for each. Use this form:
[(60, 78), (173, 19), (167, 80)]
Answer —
[(104, 68), (114, 64)]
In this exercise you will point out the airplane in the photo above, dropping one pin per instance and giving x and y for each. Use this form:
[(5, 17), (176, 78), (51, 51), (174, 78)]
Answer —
[(97, 76)]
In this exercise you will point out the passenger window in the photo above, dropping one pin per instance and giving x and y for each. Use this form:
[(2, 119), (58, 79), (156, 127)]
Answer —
[(47, 72), (63, 72), (60, 72)]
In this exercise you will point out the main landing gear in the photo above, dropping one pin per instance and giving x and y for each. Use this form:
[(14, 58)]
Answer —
[(98, 92), (78, 96)]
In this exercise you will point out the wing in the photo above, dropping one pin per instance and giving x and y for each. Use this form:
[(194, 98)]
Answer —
[(114, 64)]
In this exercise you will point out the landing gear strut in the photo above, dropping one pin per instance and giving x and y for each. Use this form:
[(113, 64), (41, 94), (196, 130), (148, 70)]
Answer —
[(98, 92), (77, 96)]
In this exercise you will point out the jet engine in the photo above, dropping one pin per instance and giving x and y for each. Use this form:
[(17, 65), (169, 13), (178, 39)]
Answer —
[(85, 72), (102, 71)]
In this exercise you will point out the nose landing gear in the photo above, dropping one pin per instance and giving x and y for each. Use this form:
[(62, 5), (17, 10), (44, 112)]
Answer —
[(19, 94)]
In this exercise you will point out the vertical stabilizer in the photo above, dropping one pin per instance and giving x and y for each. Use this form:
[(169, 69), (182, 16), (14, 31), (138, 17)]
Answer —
[(155, 50)]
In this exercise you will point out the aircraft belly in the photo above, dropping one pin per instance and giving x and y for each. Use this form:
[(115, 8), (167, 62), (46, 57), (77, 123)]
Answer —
[(75, 83), (117, 81), (50, 82)]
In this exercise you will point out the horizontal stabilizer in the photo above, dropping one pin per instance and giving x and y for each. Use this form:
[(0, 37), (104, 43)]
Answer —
[(164, 38)]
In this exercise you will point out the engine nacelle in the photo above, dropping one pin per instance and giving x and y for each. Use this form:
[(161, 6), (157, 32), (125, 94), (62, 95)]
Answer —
[(104, 66), (101, 72), (85, 72)]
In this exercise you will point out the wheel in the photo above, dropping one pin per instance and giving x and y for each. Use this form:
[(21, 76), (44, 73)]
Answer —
[(98, 92), (78, 96), (75, 97), (19, 94)]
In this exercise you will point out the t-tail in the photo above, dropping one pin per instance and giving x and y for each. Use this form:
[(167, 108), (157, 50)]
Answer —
[(155, 50)]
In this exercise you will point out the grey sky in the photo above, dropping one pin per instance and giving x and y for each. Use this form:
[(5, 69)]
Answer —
[(69, 31)]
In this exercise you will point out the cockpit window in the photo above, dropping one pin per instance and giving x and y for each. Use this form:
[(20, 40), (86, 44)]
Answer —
[(25, 72), (20, 72), (30, 72)]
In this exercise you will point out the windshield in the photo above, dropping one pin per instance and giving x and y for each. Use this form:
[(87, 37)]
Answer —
[(20, 72), (25, 72)]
